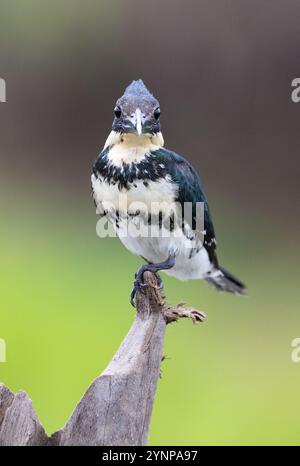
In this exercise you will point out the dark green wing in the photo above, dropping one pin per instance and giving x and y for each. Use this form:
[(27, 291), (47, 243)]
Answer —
[(190, 190)]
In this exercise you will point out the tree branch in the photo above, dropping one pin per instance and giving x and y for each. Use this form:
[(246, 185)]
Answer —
[(116, 409)]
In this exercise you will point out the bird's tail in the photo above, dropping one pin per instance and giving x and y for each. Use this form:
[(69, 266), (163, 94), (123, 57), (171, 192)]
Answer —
[(222, 280)]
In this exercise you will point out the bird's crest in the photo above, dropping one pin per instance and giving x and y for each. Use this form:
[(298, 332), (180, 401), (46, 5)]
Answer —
[(138, 88), (137, 95)]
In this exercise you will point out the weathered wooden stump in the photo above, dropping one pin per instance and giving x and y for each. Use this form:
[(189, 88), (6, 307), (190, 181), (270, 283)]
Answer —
[(116, 409)]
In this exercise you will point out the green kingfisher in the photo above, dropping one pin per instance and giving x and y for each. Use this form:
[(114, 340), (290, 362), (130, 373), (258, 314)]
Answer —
[(154, 199)]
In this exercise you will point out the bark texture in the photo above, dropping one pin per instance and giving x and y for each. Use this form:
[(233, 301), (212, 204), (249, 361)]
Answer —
[(116, 409)]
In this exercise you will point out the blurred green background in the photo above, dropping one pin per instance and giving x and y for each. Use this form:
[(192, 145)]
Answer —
[(222, 72)]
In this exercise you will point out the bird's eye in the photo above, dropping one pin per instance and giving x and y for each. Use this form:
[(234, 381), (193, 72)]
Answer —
[(117, 111), (156, 113)]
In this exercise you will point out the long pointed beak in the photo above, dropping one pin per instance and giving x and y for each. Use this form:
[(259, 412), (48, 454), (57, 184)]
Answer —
[(138, 121)]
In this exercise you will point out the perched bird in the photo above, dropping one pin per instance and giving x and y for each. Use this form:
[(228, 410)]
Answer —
[(137, 183)]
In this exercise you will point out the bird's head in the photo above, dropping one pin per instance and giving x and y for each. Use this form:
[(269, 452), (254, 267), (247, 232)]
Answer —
[(137, 111)]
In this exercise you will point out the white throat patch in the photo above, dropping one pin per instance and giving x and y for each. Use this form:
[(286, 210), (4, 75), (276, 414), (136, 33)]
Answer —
[(131, 148)]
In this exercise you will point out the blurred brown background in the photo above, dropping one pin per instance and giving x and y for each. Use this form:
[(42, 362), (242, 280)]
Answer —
[(221, 69)]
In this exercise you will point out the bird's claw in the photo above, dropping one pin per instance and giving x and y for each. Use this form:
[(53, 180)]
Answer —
[(138, 285), (160, 283)]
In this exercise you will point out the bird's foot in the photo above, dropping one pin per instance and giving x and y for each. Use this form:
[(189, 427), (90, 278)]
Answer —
[(139, 285), (160, 283)]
